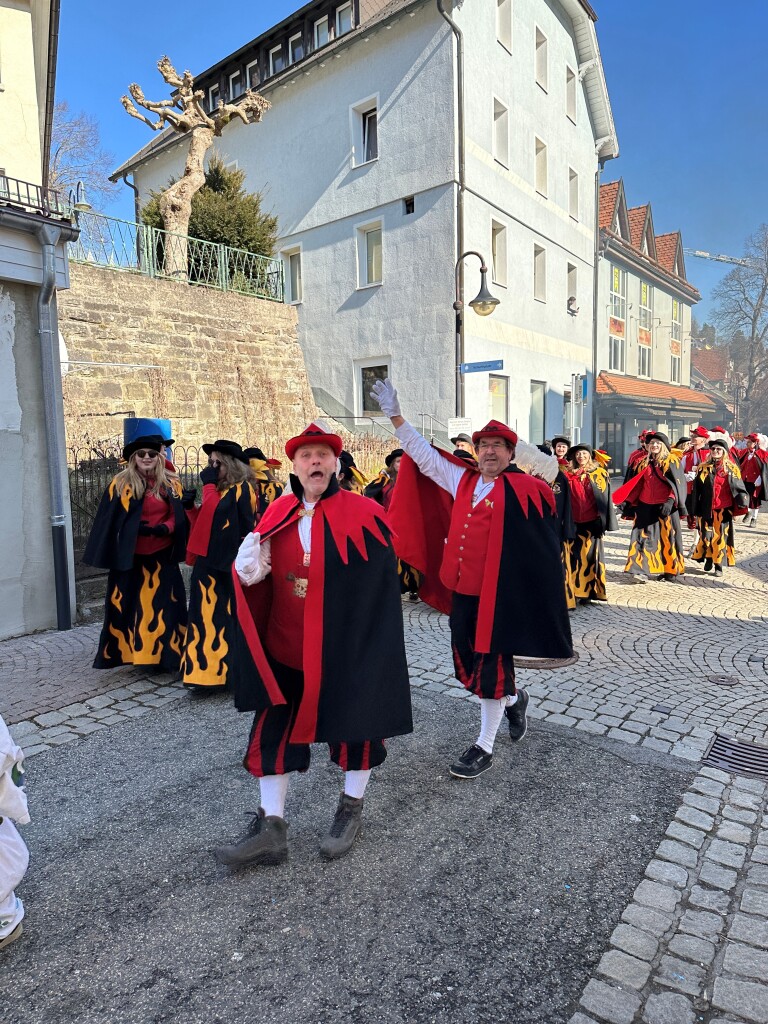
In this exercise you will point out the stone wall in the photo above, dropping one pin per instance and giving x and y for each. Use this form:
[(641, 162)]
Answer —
[(223, 365)]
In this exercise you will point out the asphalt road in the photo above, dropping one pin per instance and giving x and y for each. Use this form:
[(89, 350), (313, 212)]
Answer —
[(463, 902)]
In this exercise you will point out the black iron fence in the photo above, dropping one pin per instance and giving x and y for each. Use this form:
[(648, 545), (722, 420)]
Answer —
[(90, 471)]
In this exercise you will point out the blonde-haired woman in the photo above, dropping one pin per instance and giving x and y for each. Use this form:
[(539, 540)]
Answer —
[(593, 514), (140, 535), (228, 512), (655, 498), (718, 496)]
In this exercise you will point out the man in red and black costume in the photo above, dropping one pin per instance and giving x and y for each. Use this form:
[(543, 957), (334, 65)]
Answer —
[(321, 656), (754, 472), (695, 453), (487, 539)]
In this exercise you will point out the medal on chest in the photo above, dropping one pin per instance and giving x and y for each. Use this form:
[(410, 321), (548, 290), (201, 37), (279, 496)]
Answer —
[(300, 584)]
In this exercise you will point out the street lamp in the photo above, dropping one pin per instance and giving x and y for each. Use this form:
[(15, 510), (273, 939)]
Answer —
[(78, 200), (483, 304)]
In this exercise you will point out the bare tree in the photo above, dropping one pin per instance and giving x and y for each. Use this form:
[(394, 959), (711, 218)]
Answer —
[(741, 313), (77, 155), (184, 113)]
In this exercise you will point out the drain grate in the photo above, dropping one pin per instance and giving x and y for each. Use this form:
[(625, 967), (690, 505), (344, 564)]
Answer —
[(738, 756), (724, 680)]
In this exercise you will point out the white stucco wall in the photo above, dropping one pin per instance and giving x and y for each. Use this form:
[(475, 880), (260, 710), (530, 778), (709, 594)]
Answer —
[(19, 116)]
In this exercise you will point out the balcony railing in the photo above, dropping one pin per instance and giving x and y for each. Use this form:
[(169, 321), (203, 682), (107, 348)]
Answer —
[(137, 248), (23, 195)]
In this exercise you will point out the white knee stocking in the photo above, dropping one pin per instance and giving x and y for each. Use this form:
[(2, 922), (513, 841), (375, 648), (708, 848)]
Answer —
[(355, 783), (274, 789), (491, 714)]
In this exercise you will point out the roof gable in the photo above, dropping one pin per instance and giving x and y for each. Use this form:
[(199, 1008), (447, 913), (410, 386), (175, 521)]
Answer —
[(670, 253)]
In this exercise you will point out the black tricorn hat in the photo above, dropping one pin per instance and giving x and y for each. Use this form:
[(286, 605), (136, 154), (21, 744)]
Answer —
[(231, 448), (656, 435), (154, 442), (396, 454), (571, 453), (719, 442)]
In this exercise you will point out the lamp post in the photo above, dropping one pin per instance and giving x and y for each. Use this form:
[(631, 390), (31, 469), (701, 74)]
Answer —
[(483, 304), (78, 202)]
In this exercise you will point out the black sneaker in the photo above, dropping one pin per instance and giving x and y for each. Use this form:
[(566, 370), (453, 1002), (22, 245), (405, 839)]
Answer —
[(473, 762), (345, 827), (516, 716), (266, 843), (707, 564)]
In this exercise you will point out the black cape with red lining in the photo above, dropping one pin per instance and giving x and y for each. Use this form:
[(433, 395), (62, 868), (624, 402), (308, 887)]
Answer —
[(356, 684), (522, 603)]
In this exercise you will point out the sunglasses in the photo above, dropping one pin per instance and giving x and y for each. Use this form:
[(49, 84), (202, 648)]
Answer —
[(147, 455)]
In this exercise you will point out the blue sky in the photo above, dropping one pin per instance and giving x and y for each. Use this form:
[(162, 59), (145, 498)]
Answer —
[(686, 79)]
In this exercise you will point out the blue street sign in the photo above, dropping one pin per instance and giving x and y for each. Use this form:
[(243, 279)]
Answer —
[(491, 364)]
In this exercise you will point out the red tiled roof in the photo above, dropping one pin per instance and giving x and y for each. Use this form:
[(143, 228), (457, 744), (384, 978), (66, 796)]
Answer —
[(637, 216), (633, 387), (666, 250), (608, 195), (711, 363)]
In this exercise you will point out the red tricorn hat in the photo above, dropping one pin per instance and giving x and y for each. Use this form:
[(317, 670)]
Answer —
[(496, 429), (314, 434), (700, 432), (751, 437), (718, 430)]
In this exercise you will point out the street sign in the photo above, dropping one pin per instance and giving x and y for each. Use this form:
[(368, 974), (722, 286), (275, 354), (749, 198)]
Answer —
[(488, 366)]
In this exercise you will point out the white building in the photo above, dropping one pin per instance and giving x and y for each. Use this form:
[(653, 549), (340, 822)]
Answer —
[(36, 582), (360, 160), (643, 330)]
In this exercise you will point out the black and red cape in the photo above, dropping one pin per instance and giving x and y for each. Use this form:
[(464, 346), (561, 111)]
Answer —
[(522, 602), (356, 684)]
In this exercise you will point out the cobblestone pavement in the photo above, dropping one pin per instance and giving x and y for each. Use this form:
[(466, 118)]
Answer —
[(662, 666)]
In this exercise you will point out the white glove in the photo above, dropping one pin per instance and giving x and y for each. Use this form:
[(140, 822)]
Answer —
[(535, 463), (384, 393), (253, 562), (690, 476), (757, 485)]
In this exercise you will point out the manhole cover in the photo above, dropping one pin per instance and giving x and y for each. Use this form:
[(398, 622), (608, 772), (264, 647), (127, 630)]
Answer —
[(546, 662), (661, 709), (724, 680), (738, 756)]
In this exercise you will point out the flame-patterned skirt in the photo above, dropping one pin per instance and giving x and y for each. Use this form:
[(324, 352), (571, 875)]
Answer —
[(565, 555), (210, 628), (656, 545), (145, 616), (587, 563), (716, 538)]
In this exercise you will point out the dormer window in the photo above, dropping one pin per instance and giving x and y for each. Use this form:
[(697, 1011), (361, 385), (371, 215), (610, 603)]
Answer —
[(252, 75), (296, 48), (235, 85), (343, 19), (322, 35), (276, 60), (214, 94)]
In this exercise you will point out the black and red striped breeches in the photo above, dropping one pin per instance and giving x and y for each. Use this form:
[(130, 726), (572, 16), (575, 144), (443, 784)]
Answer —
[(271, 753), (486, 675)]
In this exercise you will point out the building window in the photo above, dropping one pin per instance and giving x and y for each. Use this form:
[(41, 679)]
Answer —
[(677, 320), (235, 85), (573, 194), (572, 287), (498, 253), (295, 48), (369, 255), (498, 390), (321, 33), (675, 370), (536, 417), (504, 23), (368, 375), (276, 60), (252, 74), (644, 360), (293, 285), (616, 353), (500, 132), (539, 273), (365, 131), (570, 93), (645, 318), (213, 97), (409, 205), (343, 19), (541, 167), (542, 71), (618, 293)]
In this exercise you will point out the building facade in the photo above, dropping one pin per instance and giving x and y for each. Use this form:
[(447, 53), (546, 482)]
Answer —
[(643, 322), (360, 157), (36, 583)]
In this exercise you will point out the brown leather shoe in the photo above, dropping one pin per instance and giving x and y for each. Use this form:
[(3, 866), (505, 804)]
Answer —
[(266, 843), (346, 825)]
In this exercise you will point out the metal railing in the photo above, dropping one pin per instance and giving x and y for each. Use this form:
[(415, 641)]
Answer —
[(23, 195), (124, 245)]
